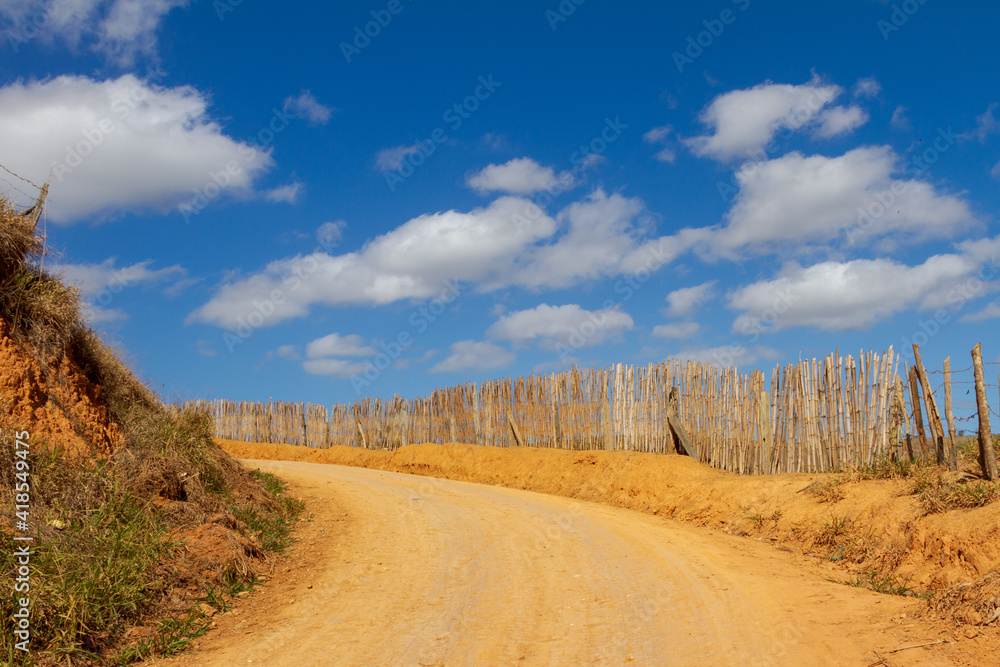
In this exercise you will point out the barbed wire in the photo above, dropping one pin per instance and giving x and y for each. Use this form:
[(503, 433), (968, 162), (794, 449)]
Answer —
[(21, 177), (14, 187)]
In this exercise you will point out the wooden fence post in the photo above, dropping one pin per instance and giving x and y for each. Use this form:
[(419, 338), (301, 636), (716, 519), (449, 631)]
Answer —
[(933, 418), (987, 457), (476, 424), (918, 419), (950, 416), (514, 431), (608, 429)]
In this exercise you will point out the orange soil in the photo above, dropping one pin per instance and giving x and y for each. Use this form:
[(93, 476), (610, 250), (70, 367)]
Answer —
[(59, 406), (890, 531)]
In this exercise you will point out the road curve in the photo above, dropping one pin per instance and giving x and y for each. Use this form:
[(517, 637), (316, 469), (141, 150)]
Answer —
[(404, 570)]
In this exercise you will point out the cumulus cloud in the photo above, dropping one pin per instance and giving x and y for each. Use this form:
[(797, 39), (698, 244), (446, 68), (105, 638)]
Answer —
[(682, 302), (391, 159), (659, 135), (117, 145), (549, 326), (858, 293), (520, 176), (839, 120), (489, 248), (676, 330), (335, 368), (305, 105), (796, 199), (335, 345), (986, 124), (744, 121), (100, 283), (413, 261), (287, 194), (900, 120), (121, 29), (990, 312), (866, 87), (330, 234), (471, 355), (729, 356)]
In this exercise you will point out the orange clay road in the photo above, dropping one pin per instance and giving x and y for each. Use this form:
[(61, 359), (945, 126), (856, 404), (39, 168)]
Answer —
[(396, 569)]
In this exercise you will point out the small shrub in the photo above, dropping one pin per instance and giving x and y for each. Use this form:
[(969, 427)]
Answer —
[(828, 491), (887, 584)]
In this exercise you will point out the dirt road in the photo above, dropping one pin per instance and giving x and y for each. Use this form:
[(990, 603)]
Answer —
[(401, 570)]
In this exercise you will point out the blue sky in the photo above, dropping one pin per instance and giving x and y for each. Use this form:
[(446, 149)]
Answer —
[(326, 200)]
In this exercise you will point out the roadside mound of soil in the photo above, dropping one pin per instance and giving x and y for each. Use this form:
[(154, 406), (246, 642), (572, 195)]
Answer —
[(53, 400), (876, 529), (135, 520)]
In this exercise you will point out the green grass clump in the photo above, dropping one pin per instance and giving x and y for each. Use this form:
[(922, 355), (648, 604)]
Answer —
[(274, 528)]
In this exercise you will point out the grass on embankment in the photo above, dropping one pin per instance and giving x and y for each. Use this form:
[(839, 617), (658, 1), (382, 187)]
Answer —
[(132, 534)]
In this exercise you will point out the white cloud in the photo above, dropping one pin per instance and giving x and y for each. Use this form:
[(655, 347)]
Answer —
[(854, 294), (92, 278), (995, 171), (567, 325), (602, 232), (744, 121), (121, 29), (867, 87), (335, 345), (335, 368), (100, 283), (794, 199), (900, 120), (117, 145), (676, 330), (839, 119), (986, 124), (520, 176), (330, 234), (287, 194), (684, 301), (413, 261), (306, 106), (470, 355), (391, 159), (287, 352), (659, 135), (491, 248), (129, 28), (728, 356), (990, 312)]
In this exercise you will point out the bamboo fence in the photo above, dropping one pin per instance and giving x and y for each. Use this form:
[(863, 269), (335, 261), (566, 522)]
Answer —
[(812, 416)]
